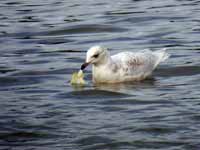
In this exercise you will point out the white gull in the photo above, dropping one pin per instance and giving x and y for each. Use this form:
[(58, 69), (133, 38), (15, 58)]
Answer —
[(124, 66)]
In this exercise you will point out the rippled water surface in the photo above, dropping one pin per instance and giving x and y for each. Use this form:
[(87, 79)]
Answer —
[(43, 42)]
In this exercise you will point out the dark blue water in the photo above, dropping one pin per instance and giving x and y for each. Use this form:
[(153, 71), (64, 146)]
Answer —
[(43, 42)]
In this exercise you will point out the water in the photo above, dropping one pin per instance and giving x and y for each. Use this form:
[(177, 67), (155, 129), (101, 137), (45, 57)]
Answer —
[(44, 42)]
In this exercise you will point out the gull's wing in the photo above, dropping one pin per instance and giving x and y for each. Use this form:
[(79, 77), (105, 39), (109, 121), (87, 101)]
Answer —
[(138, 63)]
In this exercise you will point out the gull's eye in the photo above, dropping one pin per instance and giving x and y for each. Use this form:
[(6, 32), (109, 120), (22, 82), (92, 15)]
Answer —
[(96, 55)]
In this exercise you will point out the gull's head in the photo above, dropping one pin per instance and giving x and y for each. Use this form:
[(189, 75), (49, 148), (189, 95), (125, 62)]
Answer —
[(95, 55)]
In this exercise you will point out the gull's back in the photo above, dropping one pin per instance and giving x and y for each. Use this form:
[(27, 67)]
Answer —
[(139, 65)]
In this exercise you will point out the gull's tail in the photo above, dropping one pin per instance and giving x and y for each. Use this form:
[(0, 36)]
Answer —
[(161, 56)]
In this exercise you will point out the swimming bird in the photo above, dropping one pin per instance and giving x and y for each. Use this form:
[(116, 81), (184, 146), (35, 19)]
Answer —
[(124, 66)]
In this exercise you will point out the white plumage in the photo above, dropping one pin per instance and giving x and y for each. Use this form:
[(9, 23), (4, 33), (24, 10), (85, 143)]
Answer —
[(124, 66)]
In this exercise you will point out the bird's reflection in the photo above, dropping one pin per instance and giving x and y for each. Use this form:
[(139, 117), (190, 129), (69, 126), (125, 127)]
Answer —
[(127, 86)]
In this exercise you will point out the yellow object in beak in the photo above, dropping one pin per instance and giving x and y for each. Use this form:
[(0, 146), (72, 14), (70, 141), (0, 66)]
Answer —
[(78, 78)]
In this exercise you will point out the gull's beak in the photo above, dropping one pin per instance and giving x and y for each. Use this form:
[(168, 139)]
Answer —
[(83, 66)]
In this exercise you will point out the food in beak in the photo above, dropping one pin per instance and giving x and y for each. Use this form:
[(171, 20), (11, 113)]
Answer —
[(78, 78)]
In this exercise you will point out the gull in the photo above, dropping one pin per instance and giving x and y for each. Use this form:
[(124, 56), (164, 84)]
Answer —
[(124, 66)]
